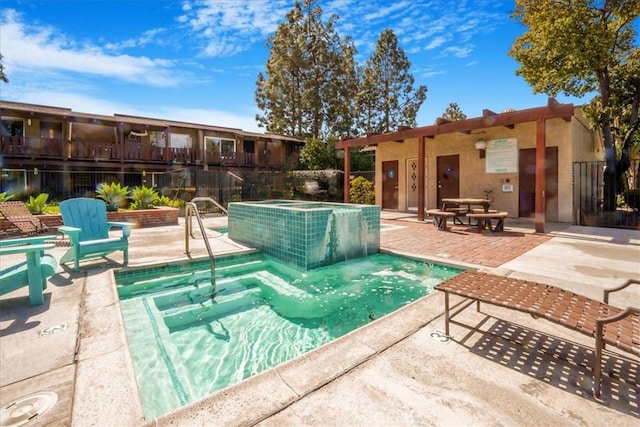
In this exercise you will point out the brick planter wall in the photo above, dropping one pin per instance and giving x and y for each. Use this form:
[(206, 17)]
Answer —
[(159, 216), (143, 218)]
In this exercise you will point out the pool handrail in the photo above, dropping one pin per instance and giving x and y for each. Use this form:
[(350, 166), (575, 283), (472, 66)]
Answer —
[(192, 209)]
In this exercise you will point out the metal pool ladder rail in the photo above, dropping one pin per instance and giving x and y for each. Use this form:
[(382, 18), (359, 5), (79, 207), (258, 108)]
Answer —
[(190, 210)]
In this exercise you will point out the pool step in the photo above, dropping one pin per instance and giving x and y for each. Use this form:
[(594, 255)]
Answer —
[(184, 317), (199, 293), (167, 281), (192, 278)]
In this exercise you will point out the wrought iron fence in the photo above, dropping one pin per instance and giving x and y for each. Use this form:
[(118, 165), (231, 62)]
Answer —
[(223, 184), (588, 191)]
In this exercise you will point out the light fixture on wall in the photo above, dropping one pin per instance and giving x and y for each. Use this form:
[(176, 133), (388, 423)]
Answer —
[(481, 146)]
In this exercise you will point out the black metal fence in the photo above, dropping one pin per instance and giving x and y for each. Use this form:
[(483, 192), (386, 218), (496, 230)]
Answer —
[(588, 191), (223, 184)]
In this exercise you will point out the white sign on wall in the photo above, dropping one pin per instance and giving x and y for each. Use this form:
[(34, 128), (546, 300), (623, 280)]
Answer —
[(502, 156)]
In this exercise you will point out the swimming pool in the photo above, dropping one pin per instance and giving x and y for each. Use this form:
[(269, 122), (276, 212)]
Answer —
[(185, 346)]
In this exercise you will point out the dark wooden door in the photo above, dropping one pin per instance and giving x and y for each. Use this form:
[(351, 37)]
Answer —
[(390, 185), (448, 178), (527, 186)]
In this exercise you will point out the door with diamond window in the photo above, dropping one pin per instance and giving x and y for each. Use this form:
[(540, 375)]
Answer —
[(412, 184)]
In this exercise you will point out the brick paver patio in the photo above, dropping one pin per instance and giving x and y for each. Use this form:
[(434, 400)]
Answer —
[(460, 243)]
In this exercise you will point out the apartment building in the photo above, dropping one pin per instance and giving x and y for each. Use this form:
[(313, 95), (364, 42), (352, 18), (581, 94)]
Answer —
[(63, 152)]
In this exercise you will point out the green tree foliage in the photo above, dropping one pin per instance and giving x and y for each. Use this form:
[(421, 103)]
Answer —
[(386, 97), (310, 80), (3, 75), (580, 46), (625, 126), (453, 113), (362, 161), (316, 154)]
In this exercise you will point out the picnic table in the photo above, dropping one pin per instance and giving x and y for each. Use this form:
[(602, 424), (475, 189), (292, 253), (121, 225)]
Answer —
[(453, 204), (463, 206)]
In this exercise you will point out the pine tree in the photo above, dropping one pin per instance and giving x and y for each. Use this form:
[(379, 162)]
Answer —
[(3, 76), (386, 98), (310, 80), (453, 113)]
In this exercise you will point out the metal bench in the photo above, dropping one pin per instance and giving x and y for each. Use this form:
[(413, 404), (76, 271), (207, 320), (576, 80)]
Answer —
[(606, 323)]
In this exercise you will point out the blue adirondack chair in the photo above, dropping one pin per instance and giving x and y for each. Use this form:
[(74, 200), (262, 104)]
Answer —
[(85, 222), (32, 272)]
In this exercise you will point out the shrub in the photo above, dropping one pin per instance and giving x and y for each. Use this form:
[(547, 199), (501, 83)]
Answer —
[(114, 195), (4, 196), (143, 197), (38, 204), (362, 191), (163, 201)]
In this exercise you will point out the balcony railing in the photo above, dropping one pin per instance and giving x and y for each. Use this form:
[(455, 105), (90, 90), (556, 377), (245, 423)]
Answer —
[(21, 147)]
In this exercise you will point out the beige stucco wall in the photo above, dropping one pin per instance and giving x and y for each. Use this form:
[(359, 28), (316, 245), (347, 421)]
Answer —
[(573, 139)]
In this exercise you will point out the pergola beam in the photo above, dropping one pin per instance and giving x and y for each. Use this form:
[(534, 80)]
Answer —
[(508, 119)]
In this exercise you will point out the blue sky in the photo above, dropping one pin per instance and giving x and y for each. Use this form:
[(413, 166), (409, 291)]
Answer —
[(198, 60)]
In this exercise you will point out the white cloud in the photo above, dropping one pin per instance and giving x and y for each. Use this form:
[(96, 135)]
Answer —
[(457, 51), (85, 104), (31, 47), (231, 27), (211, 117), (436, 42)]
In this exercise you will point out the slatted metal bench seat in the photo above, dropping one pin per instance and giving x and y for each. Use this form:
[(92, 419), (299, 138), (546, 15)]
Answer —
[(484, 220), (440, 217), (604, 322)]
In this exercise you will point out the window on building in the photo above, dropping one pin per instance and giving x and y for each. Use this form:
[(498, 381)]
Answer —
[(157, 138), (13, 181), (180, 140), (219, 144), (12, 126)]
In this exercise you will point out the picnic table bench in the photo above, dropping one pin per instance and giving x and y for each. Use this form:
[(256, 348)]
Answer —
[(484, 220), (440, 217)]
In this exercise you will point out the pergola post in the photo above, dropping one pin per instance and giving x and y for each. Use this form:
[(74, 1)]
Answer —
[(421, 178), (540, 175), (347, 173)]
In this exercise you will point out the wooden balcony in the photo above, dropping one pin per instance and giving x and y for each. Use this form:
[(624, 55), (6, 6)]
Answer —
[(128, 152), (30, 147), (40, 148)]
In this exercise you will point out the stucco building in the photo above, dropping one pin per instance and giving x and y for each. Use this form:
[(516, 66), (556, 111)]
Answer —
[(523, 160)]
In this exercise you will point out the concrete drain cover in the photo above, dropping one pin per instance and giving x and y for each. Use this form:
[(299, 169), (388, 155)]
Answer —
[(27, 408)]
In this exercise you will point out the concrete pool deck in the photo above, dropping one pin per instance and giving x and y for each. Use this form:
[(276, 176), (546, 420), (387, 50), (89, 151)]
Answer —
[(398, 370)]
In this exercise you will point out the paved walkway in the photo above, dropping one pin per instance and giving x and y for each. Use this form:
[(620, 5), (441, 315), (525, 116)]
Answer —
[(398, 370), (461, 243)]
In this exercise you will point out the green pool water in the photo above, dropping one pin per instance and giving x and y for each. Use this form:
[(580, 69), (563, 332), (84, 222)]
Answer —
[(187, 345)]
